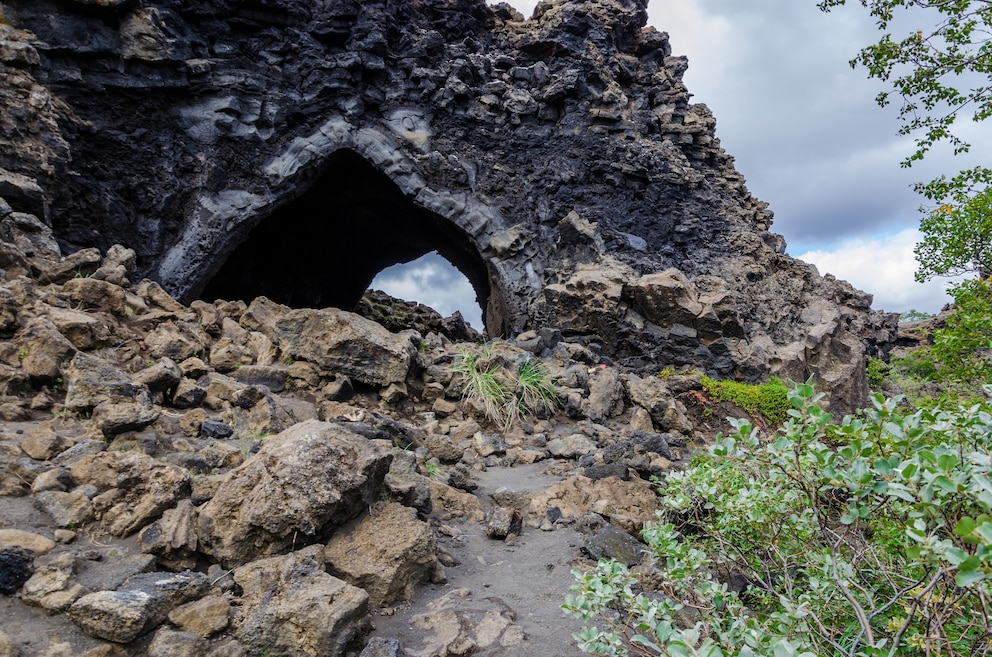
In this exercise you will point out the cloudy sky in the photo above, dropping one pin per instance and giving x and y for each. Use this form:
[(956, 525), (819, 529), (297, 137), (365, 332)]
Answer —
[(806, 133)]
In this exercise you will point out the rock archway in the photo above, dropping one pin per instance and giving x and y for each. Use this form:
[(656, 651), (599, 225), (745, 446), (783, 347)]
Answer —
[(294, 149), (324, 247)]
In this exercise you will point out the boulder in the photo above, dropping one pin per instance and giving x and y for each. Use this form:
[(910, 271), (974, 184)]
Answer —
[(176, 341), (571, 446), (302, 482), (667, 298), (66, 509), (291, 607), (43, 349), (114, 418), (231, 351), (34, 543), (83, 329), (96, 294), (161, 376), (204, 617), (135, 489), (53, 585), (387, 553), (142, 602), (75, 265), (337, 342), (451, 503), (611, 542), (605, 398), (44, 442), (172, 538), (117, 266), (91, 380), (627, 504), (170, 643), (504, 522), (15, 569)]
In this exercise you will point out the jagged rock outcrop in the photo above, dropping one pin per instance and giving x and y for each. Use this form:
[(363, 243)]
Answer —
[(294, 149)]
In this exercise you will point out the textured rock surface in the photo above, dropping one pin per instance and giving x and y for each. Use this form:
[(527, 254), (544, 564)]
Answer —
[(302, 481), (461, 625), (295, 149), (292, 607), (135, 489), (627, 504), (138, 605), (387, 553)]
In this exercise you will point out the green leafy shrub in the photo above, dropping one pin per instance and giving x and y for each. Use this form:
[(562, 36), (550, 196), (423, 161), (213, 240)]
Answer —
[(869, 537), (917, 364), (876, 371), (963, 347), (769, 400)]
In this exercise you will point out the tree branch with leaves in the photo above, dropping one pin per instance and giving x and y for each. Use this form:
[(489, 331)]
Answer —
[(942, 72)]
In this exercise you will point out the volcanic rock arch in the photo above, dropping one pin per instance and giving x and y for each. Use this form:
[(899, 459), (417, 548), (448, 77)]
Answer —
[(324, 247), (557, 160)]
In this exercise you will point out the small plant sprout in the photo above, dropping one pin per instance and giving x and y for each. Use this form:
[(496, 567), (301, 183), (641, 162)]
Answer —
[(434, 470)]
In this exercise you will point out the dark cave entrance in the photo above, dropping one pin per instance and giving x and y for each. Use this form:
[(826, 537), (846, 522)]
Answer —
[(325, 247)]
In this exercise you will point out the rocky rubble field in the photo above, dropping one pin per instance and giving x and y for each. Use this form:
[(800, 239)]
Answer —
[(238, 478)]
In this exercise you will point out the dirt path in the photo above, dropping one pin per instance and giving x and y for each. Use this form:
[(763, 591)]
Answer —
[(531, 575)]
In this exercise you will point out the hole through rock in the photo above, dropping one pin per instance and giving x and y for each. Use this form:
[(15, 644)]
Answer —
[(324, 247)]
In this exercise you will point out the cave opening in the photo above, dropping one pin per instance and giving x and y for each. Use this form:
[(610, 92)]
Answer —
[(432, 281), (325, 247)]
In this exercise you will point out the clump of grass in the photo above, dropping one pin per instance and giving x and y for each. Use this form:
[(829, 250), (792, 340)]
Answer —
[(770, 400), (534, 387), (485, 385), (506, 396), (433, 470)]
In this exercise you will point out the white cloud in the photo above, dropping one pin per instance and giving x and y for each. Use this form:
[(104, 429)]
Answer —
[(432, 281), (884, 267)]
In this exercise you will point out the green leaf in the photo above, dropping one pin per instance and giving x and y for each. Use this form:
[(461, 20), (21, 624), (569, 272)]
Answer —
[(883, 467), (965, 526), (947, 462), (985, 531), (784, 649), (968, 578), (945, 484)]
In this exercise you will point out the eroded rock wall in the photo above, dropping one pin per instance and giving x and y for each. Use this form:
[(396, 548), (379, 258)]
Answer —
[(563, 149)]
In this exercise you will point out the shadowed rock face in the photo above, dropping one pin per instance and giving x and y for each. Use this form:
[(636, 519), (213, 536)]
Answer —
[(295, 148)]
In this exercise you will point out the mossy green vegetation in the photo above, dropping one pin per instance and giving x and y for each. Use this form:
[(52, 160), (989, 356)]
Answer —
[(770, 400), (876, 371)]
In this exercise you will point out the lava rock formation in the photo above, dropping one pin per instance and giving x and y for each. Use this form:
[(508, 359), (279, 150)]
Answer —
[(294, 149)]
